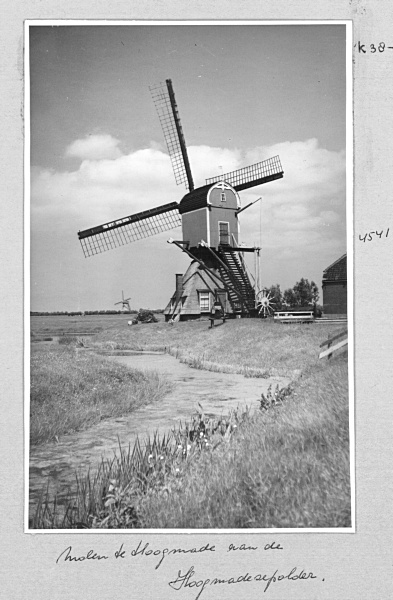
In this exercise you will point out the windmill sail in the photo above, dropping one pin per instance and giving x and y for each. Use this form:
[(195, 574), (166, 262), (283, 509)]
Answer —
[(129, 229), (253, 175), (165, 103)]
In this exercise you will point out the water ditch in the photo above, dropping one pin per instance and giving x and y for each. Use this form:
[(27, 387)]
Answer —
[(54, 464)]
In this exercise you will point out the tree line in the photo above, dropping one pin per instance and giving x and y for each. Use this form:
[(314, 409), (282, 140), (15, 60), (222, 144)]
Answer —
[(304, 294)]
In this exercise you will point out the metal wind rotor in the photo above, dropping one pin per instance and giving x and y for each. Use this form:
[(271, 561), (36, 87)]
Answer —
[(265, 303)]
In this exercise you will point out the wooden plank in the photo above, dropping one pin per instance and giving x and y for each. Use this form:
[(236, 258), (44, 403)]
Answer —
[(294, 316), (333, 348), (285, 313), (335, 337), (288, 317)]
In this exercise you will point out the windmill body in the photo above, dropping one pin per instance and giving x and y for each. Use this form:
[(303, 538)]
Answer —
[(209, 216), (209, 213)]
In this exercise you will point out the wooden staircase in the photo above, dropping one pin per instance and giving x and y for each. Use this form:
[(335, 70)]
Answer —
[(236, 280)]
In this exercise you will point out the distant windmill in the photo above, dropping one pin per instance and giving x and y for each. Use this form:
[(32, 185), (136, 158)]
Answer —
[(125, 304), (209, 219)]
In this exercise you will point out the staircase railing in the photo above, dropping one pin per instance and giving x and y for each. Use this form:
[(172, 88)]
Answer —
[(243, 262), (239, 277)]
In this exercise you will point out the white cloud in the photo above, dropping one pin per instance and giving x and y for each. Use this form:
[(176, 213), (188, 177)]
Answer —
[(309, 171), (102, 190), (94, 147), (301, 217), (305, 209), (208, 162)]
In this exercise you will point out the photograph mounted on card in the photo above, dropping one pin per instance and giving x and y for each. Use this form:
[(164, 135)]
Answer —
[(191, 277)]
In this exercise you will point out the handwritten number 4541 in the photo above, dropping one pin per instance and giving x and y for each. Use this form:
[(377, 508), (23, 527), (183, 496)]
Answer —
[(368, 237)]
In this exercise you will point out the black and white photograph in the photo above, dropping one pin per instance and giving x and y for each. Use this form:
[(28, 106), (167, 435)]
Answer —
[(189, 277)]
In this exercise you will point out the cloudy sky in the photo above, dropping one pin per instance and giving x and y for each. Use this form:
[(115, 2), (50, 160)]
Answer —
[(244, 92)]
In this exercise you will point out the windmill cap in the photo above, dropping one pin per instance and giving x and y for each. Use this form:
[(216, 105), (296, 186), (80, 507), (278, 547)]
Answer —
[(198, 198), (194, 200)]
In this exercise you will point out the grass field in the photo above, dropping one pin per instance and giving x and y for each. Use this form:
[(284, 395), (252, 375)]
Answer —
[(42, 326), (287, 466), (253, 347)]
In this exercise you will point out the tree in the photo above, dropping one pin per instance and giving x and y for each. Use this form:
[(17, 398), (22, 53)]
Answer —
[(290, 298), (303, 293), (306, 292)]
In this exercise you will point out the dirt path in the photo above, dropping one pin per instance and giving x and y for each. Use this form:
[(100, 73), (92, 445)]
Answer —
[(218, 393)]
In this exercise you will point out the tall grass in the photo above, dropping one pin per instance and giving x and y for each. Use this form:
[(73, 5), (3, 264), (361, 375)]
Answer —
[(285, 466), (72, 390), (109, 498)]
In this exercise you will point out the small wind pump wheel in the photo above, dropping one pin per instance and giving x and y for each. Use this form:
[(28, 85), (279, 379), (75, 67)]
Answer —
[(265, 304)]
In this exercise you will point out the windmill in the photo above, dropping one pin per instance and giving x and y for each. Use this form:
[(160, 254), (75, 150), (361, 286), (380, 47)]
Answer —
[(125, 302), (209, 219)]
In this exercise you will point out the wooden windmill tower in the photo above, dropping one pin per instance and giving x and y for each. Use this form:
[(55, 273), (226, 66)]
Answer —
[(209, 216)]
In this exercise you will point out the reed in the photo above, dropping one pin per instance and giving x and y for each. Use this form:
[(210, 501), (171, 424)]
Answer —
[(110, 497)]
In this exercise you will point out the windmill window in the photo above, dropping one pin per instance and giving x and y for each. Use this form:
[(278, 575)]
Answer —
[(223, 197), (204, 301)]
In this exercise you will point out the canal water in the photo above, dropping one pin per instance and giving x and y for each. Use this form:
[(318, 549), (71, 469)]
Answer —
[(56, 463)]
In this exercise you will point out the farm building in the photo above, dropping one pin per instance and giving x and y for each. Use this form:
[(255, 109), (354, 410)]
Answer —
[(334, 288)]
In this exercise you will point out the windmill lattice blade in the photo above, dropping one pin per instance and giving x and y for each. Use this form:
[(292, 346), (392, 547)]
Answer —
[(164, 101), (129, 229), (253, 175)]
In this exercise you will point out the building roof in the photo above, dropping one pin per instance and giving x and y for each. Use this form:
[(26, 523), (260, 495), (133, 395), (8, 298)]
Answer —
[(195, 280), (337, 270), (195, 199)]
